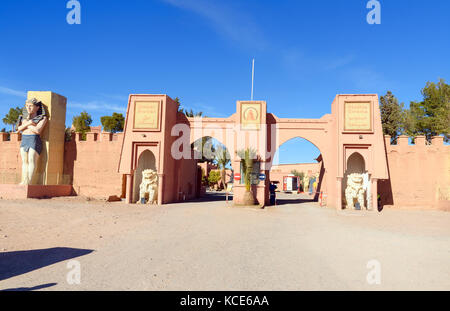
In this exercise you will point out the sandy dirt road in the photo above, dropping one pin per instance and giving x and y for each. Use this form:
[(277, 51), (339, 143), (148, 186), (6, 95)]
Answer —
[(210, 246)]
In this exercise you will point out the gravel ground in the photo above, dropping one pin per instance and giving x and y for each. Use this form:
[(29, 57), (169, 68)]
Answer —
[(213, 246)]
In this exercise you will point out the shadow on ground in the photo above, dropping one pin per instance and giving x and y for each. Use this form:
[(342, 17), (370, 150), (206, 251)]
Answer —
[(212, 196), (284, 198), (22, 289), (294, 201), (20, 262)]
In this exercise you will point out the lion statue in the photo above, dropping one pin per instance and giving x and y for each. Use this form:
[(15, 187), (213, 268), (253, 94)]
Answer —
[(354, 190), (148, 190)]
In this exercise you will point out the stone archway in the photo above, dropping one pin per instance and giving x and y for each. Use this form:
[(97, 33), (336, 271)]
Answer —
[(210, 151), (146, 160), (355, 164), (353, 125), (312, 171), (317, 132)]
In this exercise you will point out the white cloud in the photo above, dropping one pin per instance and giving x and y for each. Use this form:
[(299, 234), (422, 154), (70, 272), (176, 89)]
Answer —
[(229, 22), (8, 91), (97, 105), (366, 79), (295, 59), (339, 62)]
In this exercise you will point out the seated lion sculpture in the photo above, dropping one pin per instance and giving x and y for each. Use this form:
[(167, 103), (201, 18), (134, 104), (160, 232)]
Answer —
[(148, 190), (354, 190)]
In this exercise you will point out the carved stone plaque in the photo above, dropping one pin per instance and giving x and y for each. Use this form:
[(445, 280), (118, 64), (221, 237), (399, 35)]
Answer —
[(357, 116), (251, 116), (146, 115)]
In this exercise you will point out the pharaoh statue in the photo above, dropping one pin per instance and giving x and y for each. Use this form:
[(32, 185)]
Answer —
[(31, 123), (149, 187), (354, 190), (305, 183)]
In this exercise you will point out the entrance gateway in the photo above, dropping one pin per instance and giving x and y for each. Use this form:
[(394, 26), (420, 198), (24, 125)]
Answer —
[(158, 137)]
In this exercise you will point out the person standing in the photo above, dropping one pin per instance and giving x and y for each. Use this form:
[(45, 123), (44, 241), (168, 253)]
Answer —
[(272, 189)]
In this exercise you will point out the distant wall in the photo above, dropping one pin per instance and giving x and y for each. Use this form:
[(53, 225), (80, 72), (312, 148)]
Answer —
[(10, 160), (93, 164), (419, 174), (277, 172)]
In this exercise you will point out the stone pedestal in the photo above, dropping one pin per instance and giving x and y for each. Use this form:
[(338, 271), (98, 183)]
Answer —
[(51, 162), (14, 192)]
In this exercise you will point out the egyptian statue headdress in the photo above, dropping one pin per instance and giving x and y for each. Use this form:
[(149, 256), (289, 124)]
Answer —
[(40, 114)]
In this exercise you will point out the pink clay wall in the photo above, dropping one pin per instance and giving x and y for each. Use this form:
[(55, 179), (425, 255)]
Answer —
[(93, 164), (419, 174), (277, 172), (10, 161)]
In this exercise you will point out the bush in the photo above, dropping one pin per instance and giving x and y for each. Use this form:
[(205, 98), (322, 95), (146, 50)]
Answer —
[(213, 178)]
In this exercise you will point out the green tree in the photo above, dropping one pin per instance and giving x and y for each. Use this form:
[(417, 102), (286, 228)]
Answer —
[(206, 148), (213, 178), (392, 116), (82, 123), (113, 123), (190, 113), (68, 134), (431, 116), (12, 116), (177, 101), (298, 174)]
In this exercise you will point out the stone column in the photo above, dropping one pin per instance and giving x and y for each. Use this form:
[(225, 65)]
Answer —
[(160, 188), (339, 194), (51, 161), (374, 194), (129, 189)]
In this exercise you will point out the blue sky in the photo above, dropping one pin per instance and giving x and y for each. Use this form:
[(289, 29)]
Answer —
[(306, 52)]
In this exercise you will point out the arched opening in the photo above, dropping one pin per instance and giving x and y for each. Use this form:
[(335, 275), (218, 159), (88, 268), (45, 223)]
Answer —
[(146, 160), (298, 172), (355, 164), (214, 171), (356, 183)]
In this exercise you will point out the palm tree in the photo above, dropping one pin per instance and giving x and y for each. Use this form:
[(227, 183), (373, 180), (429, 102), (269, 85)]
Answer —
[(192, 114), (248, 156), (189, 114), (222, 160), (205, 147)]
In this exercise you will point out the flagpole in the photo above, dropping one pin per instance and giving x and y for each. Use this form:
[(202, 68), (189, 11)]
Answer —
[(253, 76)]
